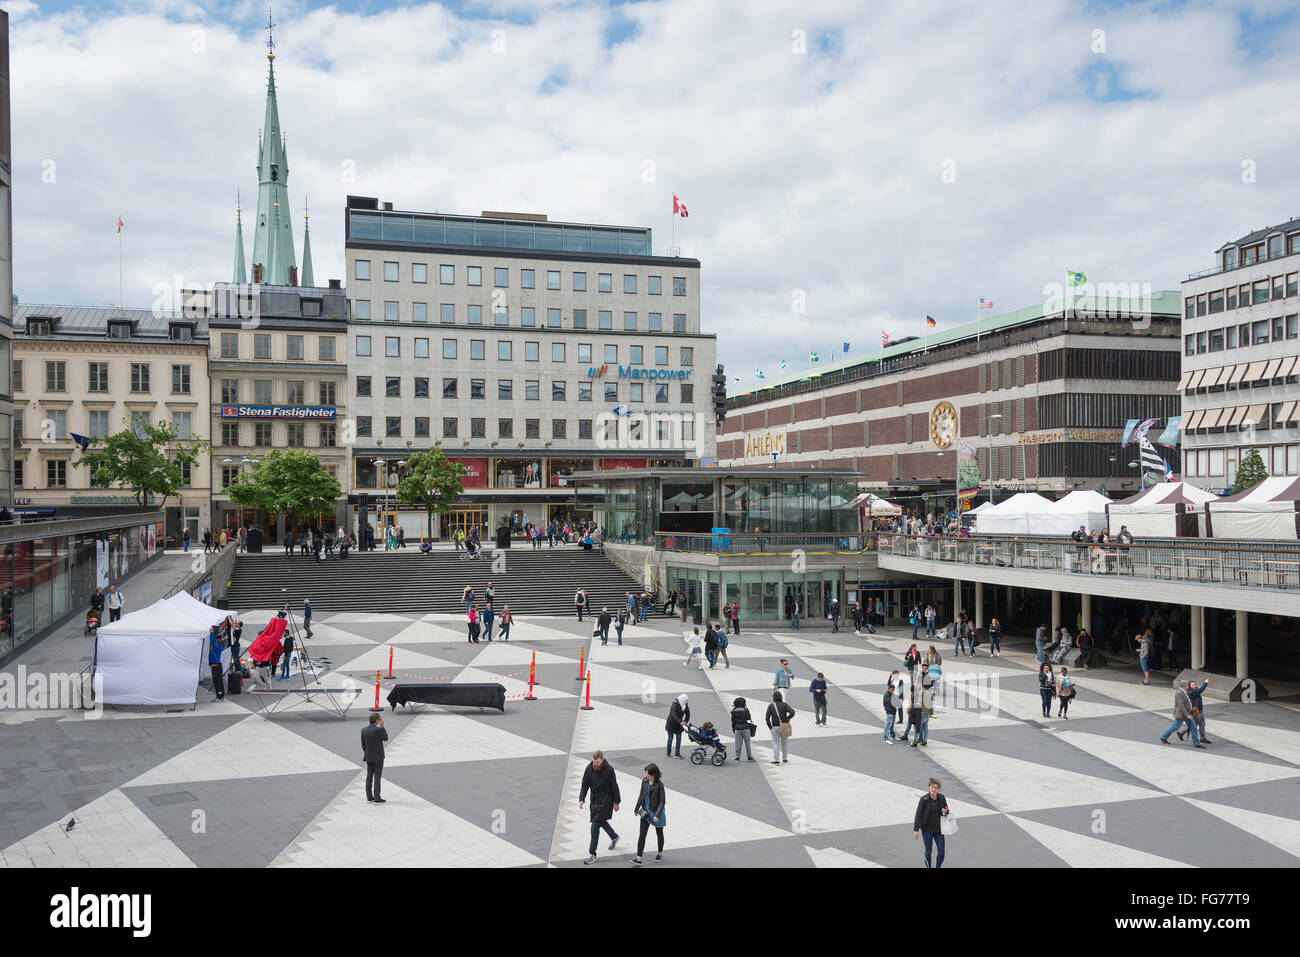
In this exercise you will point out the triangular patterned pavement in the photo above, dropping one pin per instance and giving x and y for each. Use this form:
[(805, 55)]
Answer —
[(109, 832)]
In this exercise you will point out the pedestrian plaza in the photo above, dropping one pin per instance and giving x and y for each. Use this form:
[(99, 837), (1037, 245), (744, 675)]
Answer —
[(221, 785)]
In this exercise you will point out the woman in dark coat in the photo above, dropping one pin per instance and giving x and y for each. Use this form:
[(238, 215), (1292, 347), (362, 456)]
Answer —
[(930, 811), (1046, 688), (650, 808), (740, 722), (679, 715)]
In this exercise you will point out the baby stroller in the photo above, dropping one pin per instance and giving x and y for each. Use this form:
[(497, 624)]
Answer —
[(92, 621), (705, 740)]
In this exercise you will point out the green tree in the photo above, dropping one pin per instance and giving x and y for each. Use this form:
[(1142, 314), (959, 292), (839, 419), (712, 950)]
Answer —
[(287, 480), (1250, 472), (150, 460), (432, 482)]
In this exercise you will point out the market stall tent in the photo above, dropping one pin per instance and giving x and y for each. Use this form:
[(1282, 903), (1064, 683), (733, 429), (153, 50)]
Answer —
[(1270, 510), (1025, 513), (1165, 510), (1082, 507)]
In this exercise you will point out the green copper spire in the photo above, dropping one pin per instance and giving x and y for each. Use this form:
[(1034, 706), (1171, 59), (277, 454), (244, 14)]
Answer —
[(273, 232), (241, 273), (306, 279)]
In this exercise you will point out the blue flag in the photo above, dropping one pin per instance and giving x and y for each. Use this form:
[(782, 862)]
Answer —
[(846, 347), (83, 441)]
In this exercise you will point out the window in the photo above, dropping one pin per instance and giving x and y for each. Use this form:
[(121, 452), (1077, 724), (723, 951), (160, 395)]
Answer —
[(605, 319), (656, 322), (56, 473), (450, 428), (392, 426), (262, 391), (557, 391), (139, 421), (230, 391), (532, 390), (230, 345), (579, 282), (478, 428), (1277, 329), (390, 311), (390, 272), (449, 348), (688, 355), (1230, 337), (611, 353), (297, 390), (18, 375), (393, 387), (261, 346), (229, 475), (629, 283), (1201, 342), (679, 322), (532, 428), (58, 420), (97, 377), (1277, 287), (419, 312), (527, 278), (447, 275), (475, 274), (553, 318), (1243, 331), (139, 376), (1232, 297), (363, 386), (679, 285), (1189, 344), (422, 387), (1291, 283), (361, 309), (1291, 329), (1216, 301), (297, 435), (552, 279), (584, 428), (1200, 305), (421, 348), (328, 435), (478, 388), (503, 350), (56, 377), (1216, 340), (362, 269), (655, 284), (505, 389), (476, 315), (584, 391), (41, 327), (636, 392), (688, 392), (557, 351), (419, 272), (1260, 291), (501, 316), (421, 426), (325, 349), (477, 349), (449, 388), (527, 316), (661, 392), (611, 391), (392, 346), (501, 277), (505, 428), (229, 433), (447, 312), (532, 351), (584, 353), (580, 318), (629, 322), (1274, 250), (661, 355), (605, 282), (363, 426), (635, 355)]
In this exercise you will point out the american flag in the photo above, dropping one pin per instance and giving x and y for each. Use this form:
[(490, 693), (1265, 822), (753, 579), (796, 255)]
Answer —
[(986, 303)]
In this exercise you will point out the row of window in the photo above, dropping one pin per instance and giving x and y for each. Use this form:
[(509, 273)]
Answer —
[(532, 428), (532, 389), (117, 328), (326, 434), (230, 474), (1210, 463), (294, 347), (1257, 253), (473, 315), (527, 278), (56, 377), (1246, 294), (1277, 329), (56, 474), (295, 392), (532, 351), (54, 424)]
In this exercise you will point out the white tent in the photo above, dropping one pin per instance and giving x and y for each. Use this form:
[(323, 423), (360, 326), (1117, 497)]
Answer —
[(1081, 507), (154, 656), (1025, 513), (979, 509), (1270, 510), (871, 504), (1165, 510)]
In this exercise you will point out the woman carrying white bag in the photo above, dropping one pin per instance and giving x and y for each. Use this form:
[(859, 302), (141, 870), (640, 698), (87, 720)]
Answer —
[(932, 821)]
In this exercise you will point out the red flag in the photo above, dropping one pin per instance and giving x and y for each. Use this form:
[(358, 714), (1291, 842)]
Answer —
[(679, 208), (119, 224)]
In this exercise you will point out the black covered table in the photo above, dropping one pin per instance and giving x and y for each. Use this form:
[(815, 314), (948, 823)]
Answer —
[(481, 695)]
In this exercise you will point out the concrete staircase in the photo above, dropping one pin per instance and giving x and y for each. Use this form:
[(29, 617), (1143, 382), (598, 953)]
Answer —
[(533, 581)]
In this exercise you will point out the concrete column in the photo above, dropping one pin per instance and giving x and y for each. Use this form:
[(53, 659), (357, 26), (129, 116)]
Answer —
[(1198, 637), (1056, 612), (1243, 661), (956, 598), (979, 604), (1085, 610)]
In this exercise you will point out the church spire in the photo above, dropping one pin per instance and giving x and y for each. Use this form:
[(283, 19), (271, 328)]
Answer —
[(306, 279), (241, 272), (273, 232)]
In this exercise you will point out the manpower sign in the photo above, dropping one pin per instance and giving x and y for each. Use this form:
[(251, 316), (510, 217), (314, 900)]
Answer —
[(637, 372)]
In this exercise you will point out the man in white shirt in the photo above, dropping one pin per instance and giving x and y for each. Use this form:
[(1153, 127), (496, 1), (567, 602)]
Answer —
[(115, 603)]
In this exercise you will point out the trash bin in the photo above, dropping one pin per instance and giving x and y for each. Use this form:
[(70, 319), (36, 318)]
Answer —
[(503, 537), (254, 540), (697, 612)]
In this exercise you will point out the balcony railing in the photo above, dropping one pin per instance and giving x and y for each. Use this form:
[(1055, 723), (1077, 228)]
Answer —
[(1247, 564), (761, 544)]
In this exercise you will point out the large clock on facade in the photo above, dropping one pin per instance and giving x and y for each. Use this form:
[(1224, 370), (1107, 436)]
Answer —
[(943, 424)]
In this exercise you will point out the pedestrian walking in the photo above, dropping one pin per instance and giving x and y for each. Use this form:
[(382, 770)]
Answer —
[(679, 715), (489, 616), (467, 596), (912, 660), (735, 618), (1172, 650), (602, 624), (287, 651), (915, 712), (834, 615), (855, 614), (1046, 688), (288, 544), (723, 641), (472, 623), (928, 821), (506, 620), (185, 540), (671, 602), (930, 616), (959, 636), (650, 808), (214, 663), (781, 680), (599, 779), (1086, 644), (995, 638), (373, 737), (818, 689), (915, 619), (1144, 655), (490, 593), (115, 602), (794, 615), (579, 602), (306, 617), (711, 644), (778, 717), (1040, 641), (1184, 713), (742, 727), (1064, 692), (891, 704), (619, 623)]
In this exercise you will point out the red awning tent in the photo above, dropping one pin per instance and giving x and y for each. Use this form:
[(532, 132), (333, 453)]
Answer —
[(1165, 510), (1269, 510), (268, 643)]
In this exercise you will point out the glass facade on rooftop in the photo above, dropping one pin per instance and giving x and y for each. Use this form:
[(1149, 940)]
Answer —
[(442, 230)]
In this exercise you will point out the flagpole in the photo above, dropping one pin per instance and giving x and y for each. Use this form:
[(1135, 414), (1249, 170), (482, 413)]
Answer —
[(977, 323), (119, 261)]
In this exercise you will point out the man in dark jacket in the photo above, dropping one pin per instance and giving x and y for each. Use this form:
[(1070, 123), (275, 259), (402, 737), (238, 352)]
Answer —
[(930, 810), (603, 624), (214, 662), (600, 780), (373, 737), (288, 651)]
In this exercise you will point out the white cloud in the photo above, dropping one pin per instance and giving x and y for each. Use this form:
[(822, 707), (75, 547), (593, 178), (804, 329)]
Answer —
[(802, 171)]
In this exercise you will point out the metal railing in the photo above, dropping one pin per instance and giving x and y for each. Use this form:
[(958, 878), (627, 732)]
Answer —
[(764, 544), (1245, 564)]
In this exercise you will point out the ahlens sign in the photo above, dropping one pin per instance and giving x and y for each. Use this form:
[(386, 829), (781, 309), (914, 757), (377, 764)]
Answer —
[(278, 412), (639, 372)]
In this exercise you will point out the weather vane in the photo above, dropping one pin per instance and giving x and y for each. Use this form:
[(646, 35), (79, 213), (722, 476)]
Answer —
[(270, 35)]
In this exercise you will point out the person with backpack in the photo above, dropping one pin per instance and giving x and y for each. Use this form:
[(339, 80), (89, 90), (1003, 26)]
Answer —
[(927, 822), (778, 717), (914, 619), (742, 727), (711, 644), (579, 602), (1144, 655), (722, 648)]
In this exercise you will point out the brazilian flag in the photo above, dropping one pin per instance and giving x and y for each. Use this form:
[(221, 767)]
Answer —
[(1076, 278)]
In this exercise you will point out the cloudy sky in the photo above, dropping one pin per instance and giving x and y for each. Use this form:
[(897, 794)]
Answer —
[(876, 161)]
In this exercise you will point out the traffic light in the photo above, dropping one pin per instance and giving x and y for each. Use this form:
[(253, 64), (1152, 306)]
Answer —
[(719, 395)]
